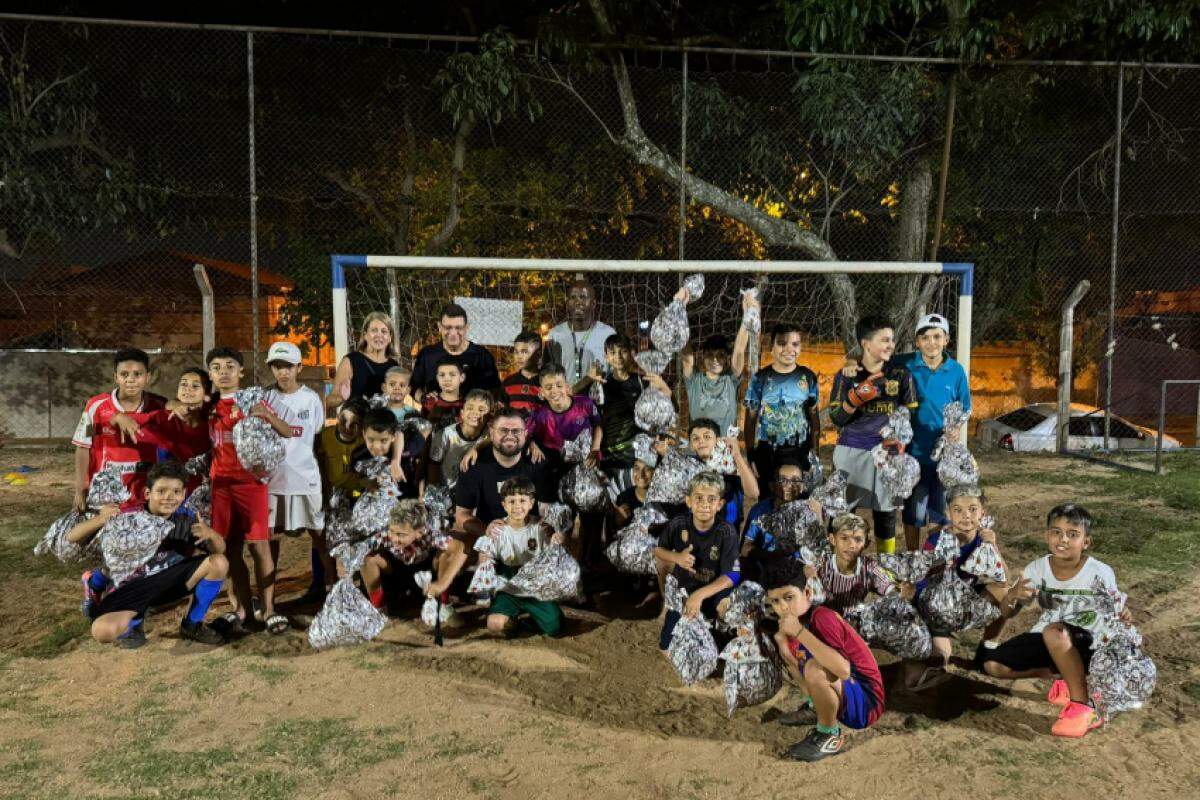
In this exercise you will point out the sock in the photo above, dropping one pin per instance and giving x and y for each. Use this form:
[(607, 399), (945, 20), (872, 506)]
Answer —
[(202, 597), (133, 624), (885, 545), (318, 569), (805, 702), (831, 731), (97, 581), (376, 597)]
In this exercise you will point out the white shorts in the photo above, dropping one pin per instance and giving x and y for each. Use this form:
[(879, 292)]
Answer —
[(864, 489), (293, 513)]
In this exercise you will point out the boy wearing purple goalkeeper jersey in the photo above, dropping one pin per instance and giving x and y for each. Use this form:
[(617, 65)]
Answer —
[(560, 419)]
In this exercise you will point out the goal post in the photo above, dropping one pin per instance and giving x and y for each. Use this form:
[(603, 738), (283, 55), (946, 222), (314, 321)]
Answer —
[(482, 277)]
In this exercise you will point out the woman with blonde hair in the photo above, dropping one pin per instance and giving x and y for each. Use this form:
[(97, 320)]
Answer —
[(361, 372)]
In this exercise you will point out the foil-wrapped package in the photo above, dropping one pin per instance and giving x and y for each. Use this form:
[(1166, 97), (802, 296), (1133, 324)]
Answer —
[(485, 579), (432, 612), (127, 541), (56, 544), (795, 526), (439, 507), (721, 459), (584, 488), (653, 362), (898, 472), (832, 494), (669, 332), (747, 606), (950, 604), (752, 671), (898, 426), (752, 317), (643, 450), (816, 590), (986, 564), (695, 286), (107, 488), (199, 502), (552, 576), (654, 412), (1121, 676), (955, 465), (912, 565), (559, 517), (670, 479), (372, 509), (259, 448), (632, 551), (596, 392), (576, 451), (347, 617), (891, 623), (814, 477), (693, 650), (377, 401), (416, 425), (947, 548), (338, 529)]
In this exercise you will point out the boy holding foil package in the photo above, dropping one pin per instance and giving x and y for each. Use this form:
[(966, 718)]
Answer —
[(240, 498), (189, 560), (859, 406), (782, 420), (1061, 643), (701, 550), (826, 657)]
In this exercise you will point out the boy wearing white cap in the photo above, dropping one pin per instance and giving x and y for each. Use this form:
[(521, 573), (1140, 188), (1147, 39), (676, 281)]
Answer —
[(939, 380), (295, 485)]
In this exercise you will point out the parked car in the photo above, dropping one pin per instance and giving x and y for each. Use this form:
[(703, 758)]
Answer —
[(1032, 429)]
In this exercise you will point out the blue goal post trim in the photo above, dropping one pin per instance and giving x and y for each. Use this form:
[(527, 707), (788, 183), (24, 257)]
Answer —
[(966, 275)]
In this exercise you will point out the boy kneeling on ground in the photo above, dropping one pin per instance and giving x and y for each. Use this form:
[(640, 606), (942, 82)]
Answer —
[(190, 560)]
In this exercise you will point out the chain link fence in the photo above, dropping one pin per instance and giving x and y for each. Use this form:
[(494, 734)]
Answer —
[(120, 174)]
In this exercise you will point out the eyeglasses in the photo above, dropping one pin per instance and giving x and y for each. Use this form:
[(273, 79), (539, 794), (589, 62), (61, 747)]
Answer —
[(790, 481), (510, 431)]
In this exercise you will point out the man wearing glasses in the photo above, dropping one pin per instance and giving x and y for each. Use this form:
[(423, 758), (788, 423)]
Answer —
[(476, 361)]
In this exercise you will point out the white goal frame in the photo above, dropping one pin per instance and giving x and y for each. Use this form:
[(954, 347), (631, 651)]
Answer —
[(342, 263)]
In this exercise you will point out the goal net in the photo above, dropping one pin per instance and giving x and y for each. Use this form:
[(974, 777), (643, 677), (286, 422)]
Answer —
[(503, 296)]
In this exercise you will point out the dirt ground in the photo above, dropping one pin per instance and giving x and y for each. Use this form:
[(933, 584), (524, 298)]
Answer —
[(596, 713)]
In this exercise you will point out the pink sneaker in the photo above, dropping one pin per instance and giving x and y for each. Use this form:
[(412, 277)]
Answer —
[(1059, 694), (1076, 720)]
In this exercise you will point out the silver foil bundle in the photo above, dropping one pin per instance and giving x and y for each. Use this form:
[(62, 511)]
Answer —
[(199, 502), (796, 527), (898, 472), (986, 564), (892, 624), (584, 488), (259, 448), (552, 576), (695, 286), (816, 590), (912, 565), (576, 451), (693, 650), (721, 459), (418, 425), (669, 332), (632, 551), (107, 488), (654, 412), (898, 426), (832, 494), (1121, 676), (431, 610), (198, 466), (56, 544), (439, 506), (752, 672), (347, 617), (747, 606), (372, 509), (670, 479), (814, 477), (947, 548), (643, 450), (377, 401), (127, 541), (653, 362), (338, 529), (752, 317), (559, 517), (596, 392), (950, 604), (485, 579), (955, 465)]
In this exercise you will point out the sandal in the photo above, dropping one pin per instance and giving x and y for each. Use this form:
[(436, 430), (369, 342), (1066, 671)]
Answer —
[(229, 624), (931, 677), (277, 624)]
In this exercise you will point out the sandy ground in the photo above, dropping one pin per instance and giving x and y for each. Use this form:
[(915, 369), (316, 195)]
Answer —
[(597, 713)]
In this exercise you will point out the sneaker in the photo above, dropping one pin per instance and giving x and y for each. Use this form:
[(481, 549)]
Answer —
[(133, 638), (199, 632), (90, 596), (804, 715), (1059, 694), (816, 746), (1076, 720)]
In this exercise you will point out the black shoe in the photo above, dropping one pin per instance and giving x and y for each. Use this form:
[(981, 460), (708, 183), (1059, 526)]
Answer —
[(132, 639), (804, 715), (816, 746), (199, 632)]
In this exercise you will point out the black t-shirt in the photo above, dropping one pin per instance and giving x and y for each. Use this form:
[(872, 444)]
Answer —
[(715, 550), (616, 418), (629, 499), (366, 379), (477, 365), (479, 487)]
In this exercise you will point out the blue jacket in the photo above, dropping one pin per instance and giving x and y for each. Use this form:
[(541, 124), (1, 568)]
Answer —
[(935, 388)]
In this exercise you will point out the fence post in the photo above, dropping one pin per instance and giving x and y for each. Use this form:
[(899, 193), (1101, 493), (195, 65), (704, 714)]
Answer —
[(1066, 347), (208, 322), (1112, 267), (253, 208)]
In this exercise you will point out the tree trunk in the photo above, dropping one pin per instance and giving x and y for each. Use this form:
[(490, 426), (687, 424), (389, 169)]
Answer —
[(453, 214), (913, 292)]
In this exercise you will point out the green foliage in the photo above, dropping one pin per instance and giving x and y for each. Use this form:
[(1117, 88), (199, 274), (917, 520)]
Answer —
[(487, 85)]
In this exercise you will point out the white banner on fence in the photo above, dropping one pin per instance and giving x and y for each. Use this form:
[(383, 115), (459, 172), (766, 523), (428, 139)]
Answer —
[(492, 322)]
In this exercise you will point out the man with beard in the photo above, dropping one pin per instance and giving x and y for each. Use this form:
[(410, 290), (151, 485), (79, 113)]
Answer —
[(579, 342), (478, 505), (478, 365)]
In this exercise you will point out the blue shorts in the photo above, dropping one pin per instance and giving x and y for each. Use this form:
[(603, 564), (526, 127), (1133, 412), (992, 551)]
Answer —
[(857, 704), (927, 503)]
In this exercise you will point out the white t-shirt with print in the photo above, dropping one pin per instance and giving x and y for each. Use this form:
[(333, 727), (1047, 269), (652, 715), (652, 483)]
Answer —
[(513, 546), (1074, 596), (305, 413), (448, 447)]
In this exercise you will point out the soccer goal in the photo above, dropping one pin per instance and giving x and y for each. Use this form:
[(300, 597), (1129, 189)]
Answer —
[(505, 295)]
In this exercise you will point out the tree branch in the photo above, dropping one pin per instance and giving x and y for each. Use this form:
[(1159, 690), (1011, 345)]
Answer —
[(453, 214)]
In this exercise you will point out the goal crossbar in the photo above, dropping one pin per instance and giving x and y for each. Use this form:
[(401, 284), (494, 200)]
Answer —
[(965, 272)]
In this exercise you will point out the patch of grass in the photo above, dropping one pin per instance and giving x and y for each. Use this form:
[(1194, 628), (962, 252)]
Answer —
[(211, 675), (271, 674), (1192, 689), (452, 748), (331, 742), (58, 638)]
